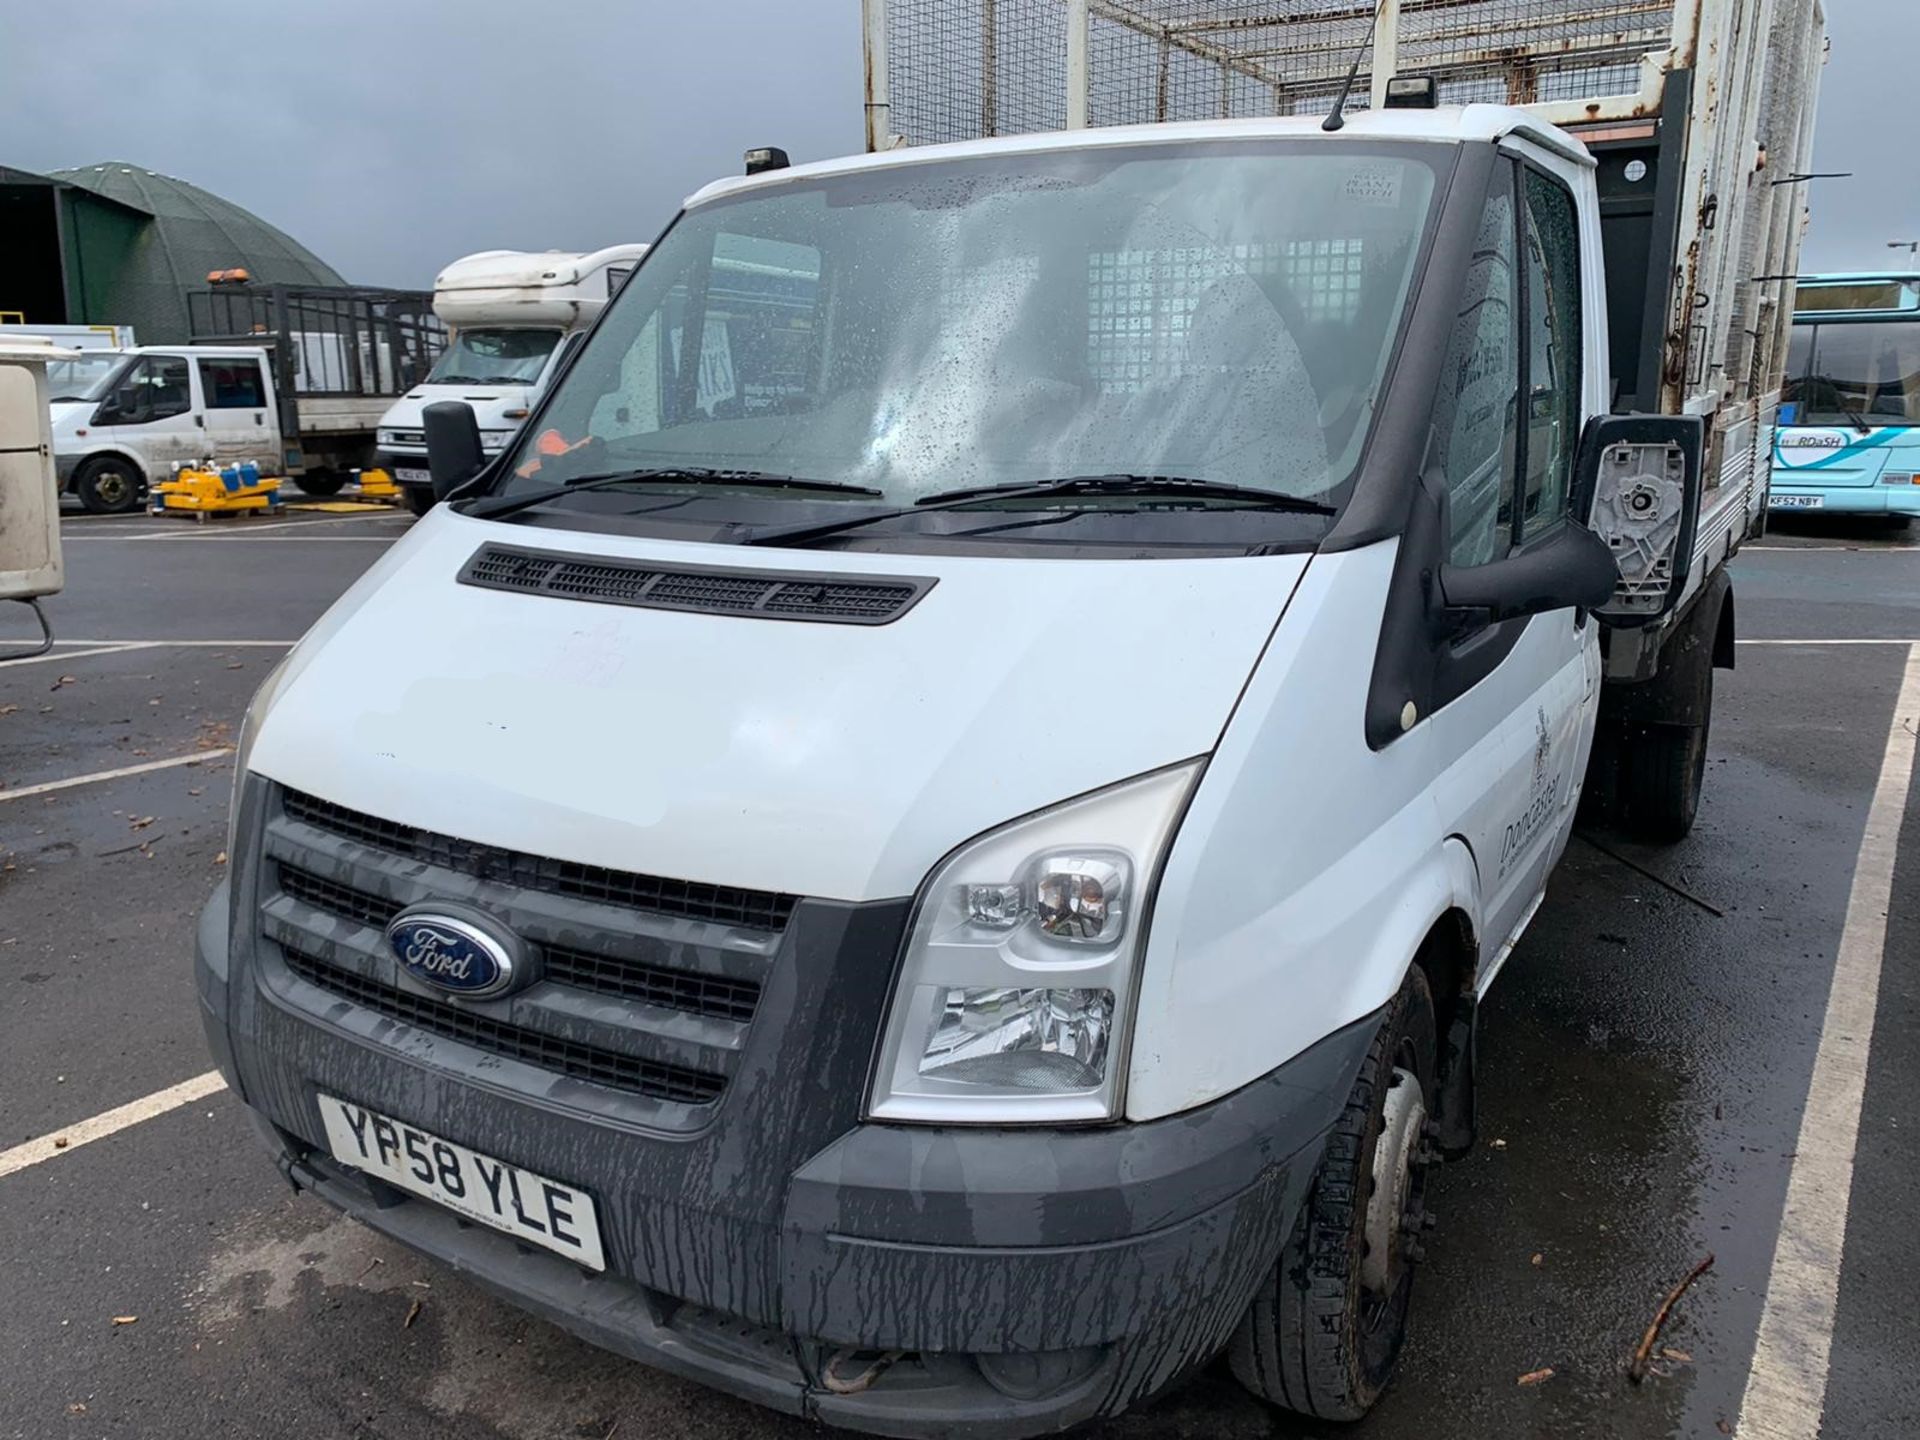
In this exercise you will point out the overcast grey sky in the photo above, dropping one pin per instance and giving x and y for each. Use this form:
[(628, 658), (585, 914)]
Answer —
[(392, 137)]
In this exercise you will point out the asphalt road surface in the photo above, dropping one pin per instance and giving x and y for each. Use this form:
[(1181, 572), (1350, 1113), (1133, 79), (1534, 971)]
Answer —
[(1646, 1063)]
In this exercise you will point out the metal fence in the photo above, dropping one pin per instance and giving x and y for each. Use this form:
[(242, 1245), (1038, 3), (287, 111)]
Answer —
[(338, 341), (961, 69)]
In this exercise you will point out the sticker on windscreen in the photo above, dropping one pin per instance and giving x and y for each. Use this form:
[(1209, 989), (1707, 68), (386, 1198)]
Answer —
[(1374, 185)]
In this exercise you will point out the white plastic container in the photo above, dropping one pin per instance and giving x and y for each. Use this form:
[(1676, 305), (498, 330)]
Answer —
[(29, 500)]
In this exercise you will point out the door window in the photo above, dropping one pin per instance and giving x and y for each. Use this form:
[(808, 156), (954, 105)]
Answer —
[(1475, 430), (1553, 353), (233, 384), (155, 388)]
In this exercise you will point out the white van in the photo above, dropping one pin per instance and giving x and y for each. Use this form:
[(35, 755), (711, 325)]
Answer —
[(131, 420), (515, 316), (976, 758)]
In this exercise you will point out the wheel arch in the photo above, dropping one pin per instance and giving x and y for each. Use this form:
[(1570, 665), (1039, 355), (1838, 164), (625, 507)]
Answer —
[(1725, 633), (114, 452)]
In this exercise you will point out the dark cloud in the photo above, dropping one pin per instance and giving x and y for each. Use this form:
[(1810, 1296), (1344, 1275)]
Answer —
[(391, 137)]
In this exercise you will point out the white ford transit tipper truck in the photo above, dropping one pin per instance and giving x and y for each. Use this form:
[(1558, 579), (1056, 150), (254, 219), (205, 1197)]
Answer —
[(978, 754), (516, 317), (292, 378)]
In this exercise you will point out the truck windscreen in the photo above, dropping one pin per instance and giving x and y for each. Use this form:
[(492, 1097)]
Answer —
[(85, 377), (1863, 373), (494, 357), (1221, 312)]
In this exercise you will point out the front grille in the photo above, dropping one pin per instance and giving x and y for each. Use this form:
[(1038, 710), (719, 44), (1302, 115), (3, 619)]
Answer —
[(683, 899), (336, 899), (774, 594), (654, 1079), (716, 996)]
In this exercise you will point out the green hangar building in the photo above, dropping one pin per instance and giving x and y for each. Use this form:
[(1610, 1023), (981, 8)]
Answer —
[(117, 244)]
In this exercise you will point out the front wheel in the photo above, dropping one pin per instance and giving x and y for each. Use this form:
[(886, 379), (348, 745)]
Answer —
[(108, 485), (419, 498), (1324, 1333)]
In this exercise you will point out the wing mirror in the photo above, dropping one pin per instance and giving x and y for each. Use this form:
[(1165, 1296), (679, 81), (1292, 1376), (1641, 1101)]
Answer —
[(1637, 485), (454, 455)]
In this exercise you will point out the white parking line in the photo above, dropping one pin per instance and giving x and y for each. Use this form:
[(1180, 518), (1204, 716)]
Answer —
[(49, 786), (1787, 1386), (187, 644), (62, 648), (1827, 642), (66, 1141), (105, 648), (201, 532)]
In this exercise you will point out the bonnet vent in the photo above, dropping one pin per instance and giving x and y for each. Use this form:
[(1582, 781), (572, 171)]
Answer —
[(837, 598)]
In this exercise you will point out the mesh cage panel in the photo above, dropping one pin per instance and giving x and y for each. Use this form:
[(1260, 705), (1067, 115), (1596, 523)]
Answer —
[(961, 69), (1525, 52)]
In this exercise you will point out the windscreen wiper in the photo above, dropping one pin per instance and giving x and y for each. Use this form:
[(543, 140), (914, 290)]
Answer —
[(1099, 486), (1854, 417), (495, 507)]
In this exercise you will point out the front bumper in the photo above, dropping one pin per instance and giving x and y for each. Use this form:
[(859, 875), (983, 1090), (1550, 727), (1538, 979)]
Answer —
[(1032, 1279)]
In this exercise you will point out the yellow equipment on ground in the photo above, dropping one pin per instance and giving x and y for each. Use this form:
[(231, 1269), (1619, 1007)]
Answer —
[(378, 485), (237, 490)]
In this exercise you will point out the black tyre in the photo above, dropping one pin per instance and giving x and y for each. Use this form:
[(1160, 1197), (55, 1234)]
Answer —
[(418, 497), (1324, 1333), (1665, 770), (109, 485), (322, 482)]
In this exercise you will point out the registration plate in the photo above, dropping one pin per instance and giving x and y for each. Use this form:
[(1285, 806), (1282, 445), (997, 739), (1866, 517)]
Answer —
[(407, 475), (527, 1206), (1797, 502)]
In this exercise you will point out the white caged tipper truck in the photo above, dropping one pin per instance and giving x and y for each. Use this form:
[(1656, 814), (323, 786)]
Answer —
[(986, 738)]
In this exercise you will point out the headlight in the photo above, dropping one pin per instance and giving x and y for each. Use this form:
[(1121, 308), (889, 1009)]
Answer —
[(386, 437), (1015, 995), (492, 440)]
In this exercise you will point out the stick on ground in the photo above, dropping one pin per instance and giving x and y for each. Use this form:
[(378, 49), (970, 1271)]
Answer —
[(1637, 1367)]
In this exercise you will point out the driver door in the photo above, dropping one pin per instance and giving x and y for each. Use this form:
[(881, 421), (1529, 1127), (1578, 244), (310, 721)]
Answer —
[(151, 415), (1513, 718)]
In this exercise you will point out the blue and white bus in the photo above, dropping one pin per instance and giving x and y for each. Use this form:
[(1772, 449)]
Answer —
[(1849, 432)]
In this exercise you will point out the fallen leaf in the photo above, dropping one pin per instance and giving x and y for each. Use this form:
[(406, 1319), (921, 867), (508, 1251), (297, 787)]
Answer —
[(64, 680), (413, 1312), (1722, 1426), (1669, 1353), (221, 858), (235, 665), (1538, 1260), (59, 1142), (8, 709), (78, 1407), (125, 1319), (198, 790), (141, 823), (1497, 1144), (1535, 1377)]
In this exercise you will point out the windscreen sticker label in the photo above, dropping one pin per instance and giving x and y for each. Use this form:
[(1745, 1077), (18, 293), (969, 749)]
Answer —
[(1374, 185)]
